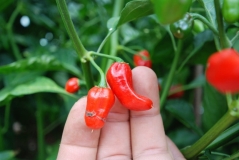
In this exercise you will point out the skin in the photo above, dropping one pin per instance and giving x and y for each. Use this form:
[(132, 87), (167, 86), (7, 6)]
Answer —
[(127, 135)]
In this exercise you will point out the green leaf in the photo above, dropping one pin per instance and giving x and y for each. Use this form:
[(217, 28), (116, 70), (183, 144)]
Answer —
[(39, 84), (199, 81), (210, 10), (178, 137), (134, 10), (7, 155), (215, 106), (201, 38), (129, 33), (4, 4), (44, 62), (112, 23), (225, 137), (183, 111), (39, 63)]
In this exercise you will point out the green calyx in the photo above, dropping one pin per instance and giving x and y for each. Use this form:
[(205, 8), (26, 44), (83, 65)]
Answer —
[(234, 108)]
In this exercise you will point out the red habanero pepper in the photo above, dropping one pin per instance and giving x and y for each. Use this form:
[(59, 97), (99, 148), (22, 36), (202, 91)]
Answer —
[(142, 58), (119, 78), (99, 102), (72, 85)]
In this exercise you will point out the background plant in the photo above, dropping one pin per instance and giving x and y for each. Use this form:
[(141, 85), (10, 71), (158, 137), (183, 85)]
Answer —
[(37, 60)]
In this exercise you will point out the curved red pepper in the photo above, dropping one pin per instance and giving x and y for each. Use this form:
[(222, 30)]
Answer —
[(99, 102), (119, 77)]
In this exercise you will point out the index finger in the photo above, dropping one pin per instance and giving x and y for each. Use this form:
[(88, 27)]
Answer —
[(78, 141), (147, 131)]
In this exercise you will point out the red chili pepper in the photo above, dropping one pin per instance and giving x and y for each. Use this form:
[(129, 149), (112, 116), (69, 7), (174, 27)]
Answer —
[(142, 58), (99, 102), (223, 71), (159, 87), (175, 91), (72, 85), (119, 77)]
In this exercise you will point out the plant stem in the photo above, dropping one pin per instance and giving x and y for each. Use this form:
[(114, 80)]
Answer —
[(107, 56), (40, 131), (131, 51), (205, 21), (235, 38), (209, 136), (118, 5), (102, 82), (1, 139), (232, 157), (104, 41), (189, 56), (209, 17), (10, 35), (172, 39), (224, 41), (171, 74), (88, 74), (6, 118), (80, 49), (54, 124)]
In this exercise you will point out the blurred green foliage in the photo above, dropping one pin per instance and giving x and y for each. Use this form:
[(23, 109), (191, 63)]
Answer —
[(37, 59)]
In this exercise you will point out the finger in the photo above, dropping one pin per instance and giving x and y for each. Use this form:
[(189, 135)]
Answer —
[(115, 135), (174, 150), (147, 131), (78, 141)]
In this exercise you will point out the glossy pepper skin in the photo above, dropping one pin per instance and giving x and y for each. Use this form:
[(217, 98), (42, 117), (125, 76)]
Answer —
[(72, 85), (99, 102), (222, 71), (170, 11), (230, 10), (183, 27), (142, 58), (119, 78)]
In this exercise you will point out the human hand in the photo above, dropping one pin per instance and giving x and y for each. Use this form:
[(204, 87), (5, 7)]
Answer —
[(137, 135)]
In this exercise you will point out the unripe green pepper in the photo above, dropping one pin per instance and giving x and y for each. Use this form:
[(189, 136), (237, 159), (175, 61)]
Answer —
[(183, 27), (198, 26), (230, 10), (169, 11)]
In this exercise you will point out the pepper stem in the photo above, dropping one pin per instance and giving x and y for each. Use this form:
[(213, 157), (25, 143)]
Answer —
[(102, 82), (224, 41), (171, 75), (117, 59), (205, 21)]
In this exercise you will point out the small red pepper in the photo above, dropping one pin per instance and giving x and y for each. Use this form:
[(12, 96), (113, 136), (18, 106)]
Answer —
[(119, 78), (142, 58), (175, 91), (99, 102), (72, 85)]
